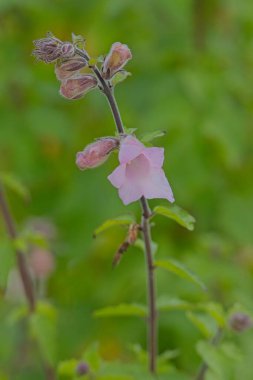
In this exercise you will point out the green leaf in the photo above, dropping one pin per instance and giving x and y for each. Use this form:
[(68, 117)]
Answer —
[(91, 355), (216, 311), (10, 182), (122, 310), (67, 368), (152, 135), (78, 41), (43, 330), (204, 324), (119, 221), (168, 304), (120, 76), (178, 214), (180, 270)]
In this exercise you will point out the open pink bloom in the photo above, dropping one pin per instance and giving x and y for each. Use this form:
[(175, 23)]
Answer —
[(140, 172)]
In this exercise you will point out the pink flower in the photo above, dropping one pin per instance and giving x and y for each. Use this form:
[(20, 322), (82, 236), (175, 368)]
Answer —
[(78, 86), (118, 56), (140, 172)]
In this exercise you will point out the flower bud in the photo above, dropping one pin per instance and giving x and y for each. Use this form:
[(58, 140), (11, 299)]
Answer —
[(47, 49), (69, 67), (67, 50), (118, 56), (240, 322), (41, 262), (75, 88), (82, 369), (96, 153)]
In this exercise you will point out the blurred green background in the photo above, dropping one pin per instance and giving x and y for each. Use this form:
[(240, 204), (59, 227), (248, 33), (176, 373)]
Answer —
[(192, 75)]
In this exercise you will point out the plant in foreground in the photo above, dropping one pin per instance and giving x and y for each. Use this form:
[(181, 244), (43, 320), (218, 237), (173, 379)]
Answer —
[(140, 175)]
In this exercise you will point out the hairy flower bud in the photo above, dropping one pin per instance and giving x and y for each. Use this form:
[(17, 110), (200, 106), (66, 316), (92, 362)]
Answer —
[(69, 67), (118, 56), (240, 322), (82, 369), (49, 49), (96, 153), (75, 88)]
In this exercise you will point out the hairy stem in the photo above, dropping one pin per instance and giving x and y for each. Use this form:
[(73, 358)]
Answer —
[(21, 260), (151, 294)]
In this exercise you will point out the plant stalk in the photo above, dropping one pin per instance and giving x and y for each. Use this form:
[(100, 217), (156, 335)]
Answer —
[(146, 213), (21, 260)]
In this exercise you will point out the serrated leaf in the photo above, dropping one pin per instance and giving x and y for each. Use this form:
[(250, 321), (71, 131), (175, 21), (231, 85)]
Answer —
[(152, 135), (204, 324), (180, 270), (139, 243), (13, 184), (119, 221), (176, 213), (122, 310), (120, 76), (43, 329), (167, 304)]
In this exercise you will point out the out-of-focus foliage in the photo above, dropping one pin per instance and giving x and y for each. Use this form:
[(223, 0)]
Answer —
[(192, 76)]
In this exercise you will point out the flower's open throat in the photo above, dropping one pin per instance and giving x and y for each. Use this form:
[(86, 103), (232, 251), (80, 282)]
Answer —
[(138, 168)]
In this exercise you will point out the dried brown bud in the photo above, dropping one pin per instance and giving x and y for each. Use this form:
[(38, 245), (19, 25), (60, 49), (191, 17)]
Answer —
[(133, 233), (240, 322), (69, 67), (96, 153), (118, 56), (132, 236), (75, 88)]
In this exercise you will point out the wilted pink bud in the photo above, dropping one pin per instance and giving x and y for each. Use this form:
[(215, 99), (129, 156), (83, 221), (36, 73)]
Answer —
[(118, 56), (41, 262), (75, 88), (96, 153), (240, 322), (69, 67)]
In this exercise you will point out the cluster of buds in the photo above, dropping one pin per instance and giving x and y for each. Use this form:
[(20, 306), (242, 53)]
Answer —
[(69, 63)]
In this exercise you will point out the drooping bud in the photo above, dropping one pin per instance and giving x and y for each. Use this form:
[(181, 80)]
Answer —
[(240, 322), (118, 56), (96, 153), (49, 49), (69, 67), (75, 88), (82, 369)]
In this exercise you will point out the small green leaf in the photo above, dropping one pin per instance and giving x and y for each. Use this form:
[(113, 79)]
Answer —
[(43, 330), (120, 76), (178, 214), (204, 324), (92, 61), (10, 182), (180, 270), (122, 310), (216, 311), (167, 304), (92, 356), (67, 368), (152, 135), (119, 221), (78, 40)]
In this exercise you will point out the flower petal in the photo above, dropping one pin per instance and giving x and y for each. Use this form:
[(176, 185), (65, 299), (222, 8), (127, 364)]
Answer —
[(117, 177), (155, 155), (157, 186), (130, 192), (130, 148)]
